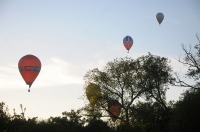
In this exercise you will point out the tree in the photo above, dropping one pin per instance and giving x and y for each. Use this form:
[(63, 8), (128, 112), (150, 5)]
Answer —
[(192, 61), (97, 126), (4, 116), (127, 80), (74, 117), (150, 117), (185, 114)]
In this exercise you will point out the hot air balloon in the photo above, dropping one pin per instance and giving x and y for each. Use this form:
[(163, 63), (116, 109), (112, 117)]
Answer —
[(114, 109), (29, 67), (159, 17), (128, 42), (93, 93)]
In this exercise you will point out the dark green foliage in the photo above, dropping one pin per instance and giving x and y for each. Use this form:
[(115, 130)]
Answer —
[(128, 128), (97, 126), (4, 117), (150, 116), (186, 113)]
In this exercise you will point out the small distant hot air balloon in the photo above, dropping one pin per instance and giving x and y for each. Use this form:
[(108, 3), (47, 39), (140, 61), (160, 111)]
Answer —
[(128, 42), (93, 93), (114, 109), (159, 17), (29, 67)]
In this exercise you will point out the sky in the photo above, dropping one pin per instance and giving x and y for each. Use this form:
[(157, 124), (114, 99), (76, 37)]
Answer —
[(73, 37)]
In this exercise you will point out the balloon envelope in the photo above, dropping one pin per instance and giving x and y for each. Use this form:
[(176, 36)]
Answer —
[(29, 67), (93, 93), (159, 17), (128, 42), (114, 108)]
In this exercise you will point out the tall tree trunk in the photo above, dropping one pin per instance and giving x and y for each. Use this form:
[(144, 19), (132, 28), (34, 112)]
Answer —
[(127, 116)]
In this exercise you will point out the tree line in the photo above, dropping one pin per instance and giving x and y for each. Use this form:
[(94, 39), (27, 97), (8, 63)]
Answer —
[(140, 86)]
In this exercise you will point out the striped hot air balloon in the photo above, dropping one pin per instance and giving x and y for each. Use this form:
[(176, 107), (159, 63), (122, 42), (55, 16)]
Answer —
[(128, 42)]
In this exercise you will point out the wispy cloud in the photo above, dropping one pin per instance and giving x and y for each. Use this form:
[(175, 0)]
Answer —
[(9, 77), (54, 72), (177, 66)]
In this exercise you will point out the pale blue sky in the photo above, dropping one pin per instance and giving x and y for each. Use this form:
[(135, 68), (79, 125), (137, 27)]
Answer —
[(71, 37)]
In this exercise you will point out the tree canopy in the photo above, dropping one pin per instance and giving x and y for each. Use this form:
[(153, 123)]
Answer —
[(191, 59), (126, 80)]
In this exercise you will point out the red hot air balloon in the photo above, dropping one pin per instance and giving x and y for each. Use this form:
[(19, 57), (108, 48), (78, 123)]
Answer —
[(29, 67), (128, 42), (114, 109)]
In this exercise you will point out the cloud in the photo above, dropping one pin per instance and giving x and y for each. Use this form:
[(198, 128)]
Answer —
[(58, 72), (9, 76), (54, 72), (177, 66)]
